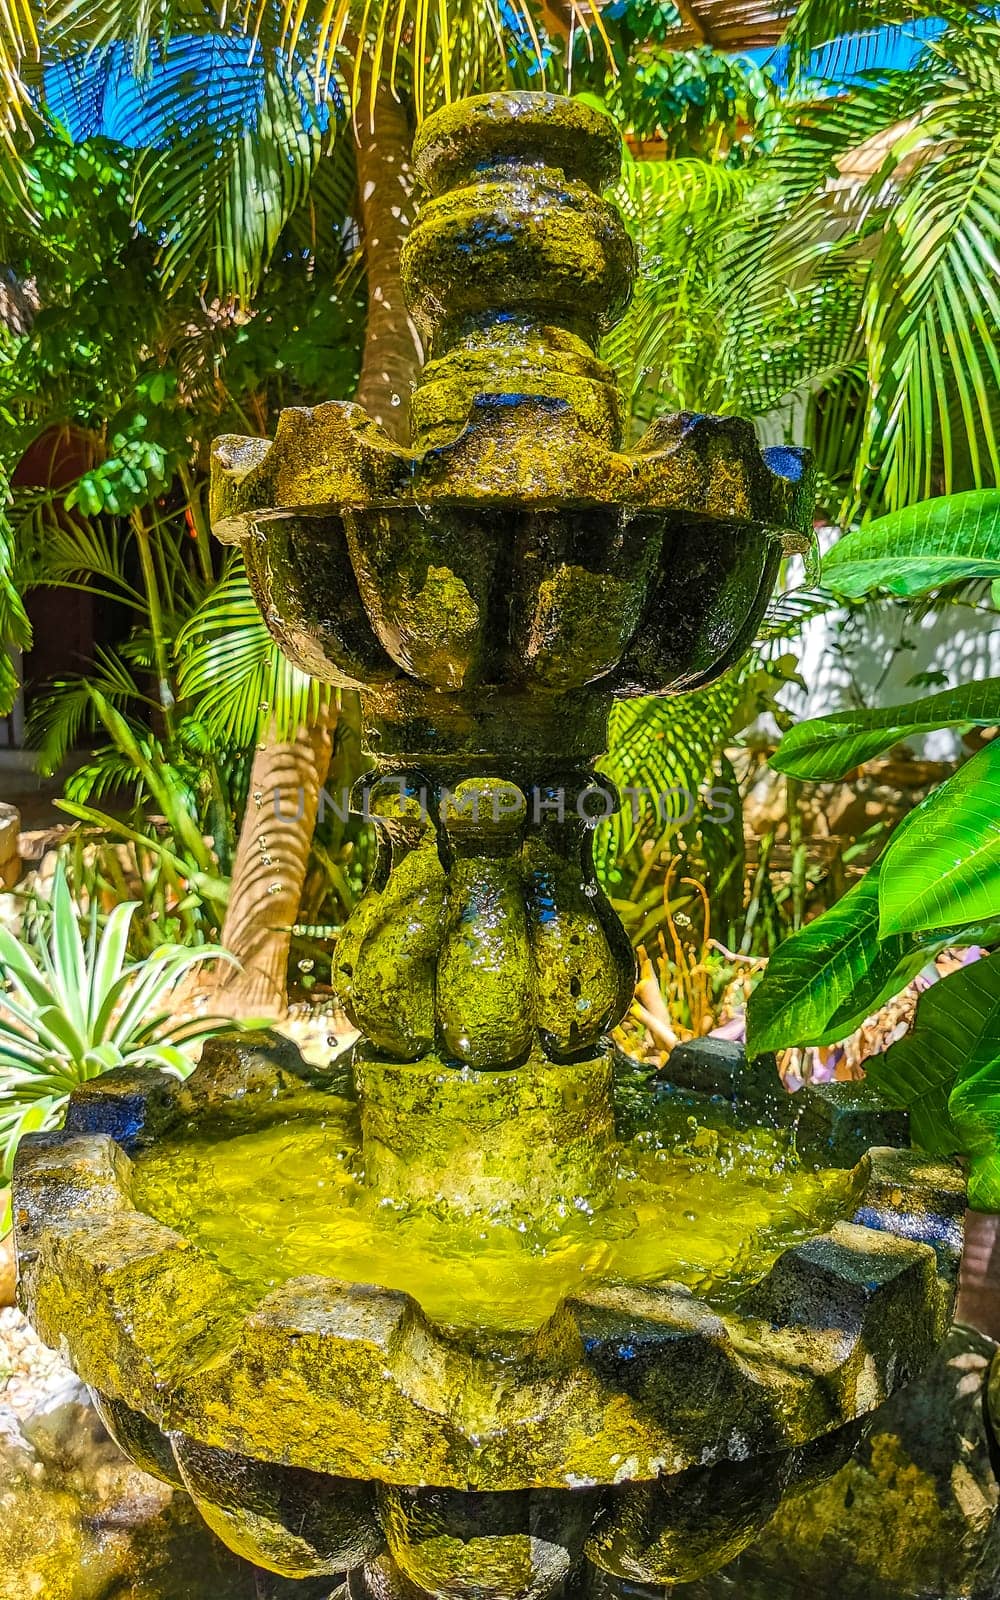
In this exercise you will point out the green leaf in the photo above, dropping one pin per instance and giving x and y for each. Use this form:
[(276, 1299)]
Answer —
[(828, 747), (942, 866), (919, 549), (822, 982), (234, 673), (660, 754), (919, 1080), (984, 1182), (69, 956), (83, 1007), (947, 1073), (110, 955), (219, 196), (974, 1102), (931, 316)]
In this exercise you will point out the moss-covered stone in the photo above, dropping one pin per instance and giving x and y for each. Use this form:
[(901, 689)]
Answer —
[(380, 1580), (385, 960), (675, 1529), (457, 1546), (846, 1119), (621, 1384), (528, 1141), (138, 1438), (516, 546), (297, 1523), (510, 948), (80, 1522), (546, 130), (913, 1515)]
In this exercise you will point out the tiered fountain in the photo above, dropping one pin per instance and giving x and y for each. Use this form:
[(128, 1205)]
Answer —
[(486, 1315)]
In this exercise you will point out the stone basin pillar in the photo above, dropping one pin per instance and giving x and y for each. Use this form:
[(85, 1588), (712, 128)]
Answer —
[(536, 1141), (496, 586)]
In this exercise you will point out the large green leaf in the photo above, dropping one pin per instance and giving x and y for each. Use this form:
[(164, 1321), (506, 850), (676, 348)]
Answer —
[(823, 981), (942, 866), (919, 1080), (910, 552), (947, 1072), (828, 747)]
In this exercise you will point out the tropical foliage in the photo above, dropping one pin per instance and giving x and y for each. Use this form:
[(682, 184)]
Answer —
[(843, 269), (938, 881), (207, 272), (77, 1006), (139, 380)]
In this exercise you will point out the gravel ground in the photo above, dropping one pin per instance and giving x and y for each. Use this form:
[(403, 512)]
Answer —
[(29, 1373)]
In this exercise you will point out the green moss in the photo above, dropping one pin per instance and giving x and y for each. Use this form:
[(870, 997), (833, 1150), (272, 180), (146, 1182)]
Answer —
[(529, 128), (387, 953)]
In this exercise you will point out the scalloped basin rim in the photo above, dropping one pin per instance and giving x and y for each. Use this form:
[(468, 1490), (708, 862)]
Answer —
[(527, 447), (622, 1383)]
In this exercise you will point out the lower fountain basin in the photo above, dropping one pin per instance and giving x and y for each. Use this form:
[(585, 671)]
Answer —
[(319, 1422)]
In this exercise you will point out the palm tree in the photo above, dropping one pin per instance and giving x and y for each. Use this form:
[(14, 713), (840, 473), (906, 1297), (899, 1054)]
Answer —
[(234, 157), (759, 289), (891, 205)]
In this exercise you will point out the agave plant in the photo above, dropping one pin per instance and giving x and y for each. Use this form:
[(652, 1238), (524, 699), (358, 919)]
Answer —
[(76, 1007)]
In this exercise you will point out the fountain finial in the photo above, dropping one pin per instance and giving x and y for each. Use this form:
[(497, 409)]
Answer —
[(517, 266)]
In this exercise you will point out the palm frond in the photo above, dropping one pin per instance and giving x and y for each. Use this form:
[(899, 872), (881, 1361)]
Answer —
[(933, 306), (853, 28), (15, 629), (435, 52), (219, 195), (233, 673), (677, 211), (19, 51), (71, 551), (66, 709), (661, 752)]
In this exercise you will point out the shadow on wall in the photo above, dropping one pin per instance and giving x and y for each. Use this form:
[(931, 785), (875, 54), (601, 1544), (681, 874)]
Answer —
[(871, 654)]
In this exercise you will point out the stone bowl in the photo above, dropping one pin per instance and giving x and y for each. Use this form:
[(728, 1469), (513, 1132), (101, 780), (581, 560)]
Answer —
[(334, 1427), (521, 554)]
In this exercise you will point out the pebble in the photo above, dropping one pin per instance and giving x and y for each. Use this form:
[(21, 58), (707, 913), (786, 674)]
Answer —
[(30, 1373)]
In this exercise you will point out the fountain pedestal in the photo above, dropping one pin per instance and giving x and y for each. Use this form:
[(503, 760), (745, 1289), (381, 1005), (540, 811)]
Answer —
[(490, 590), (518, 1143)]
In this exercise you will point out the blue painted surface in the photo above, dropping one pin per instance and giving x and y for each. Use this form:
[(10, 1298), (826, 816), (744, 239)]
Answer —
[(851, 60), (197, 83)]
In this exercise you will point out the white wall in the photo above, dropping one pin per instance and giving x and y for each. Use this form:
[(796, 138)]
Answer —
[(867, 657)]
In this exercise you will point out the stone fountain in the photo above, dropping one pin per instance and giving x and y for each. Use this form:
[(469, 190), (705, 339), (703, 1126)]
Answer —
[(486, 1314)]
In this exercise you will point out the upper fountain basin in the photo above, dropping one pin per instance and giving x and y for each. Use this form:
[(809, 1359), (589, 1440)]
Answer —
[(524, 552), (516, 546)]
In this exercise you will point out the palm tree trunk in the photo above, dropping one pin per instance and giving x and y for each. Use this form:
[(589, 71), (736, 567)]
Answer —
[(273, 851), (270, 868), (392, 355)]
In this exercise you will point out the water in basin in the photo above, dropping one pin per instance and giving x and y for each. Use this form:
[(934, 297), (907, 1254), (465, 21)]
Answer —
[(707, 1207)]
